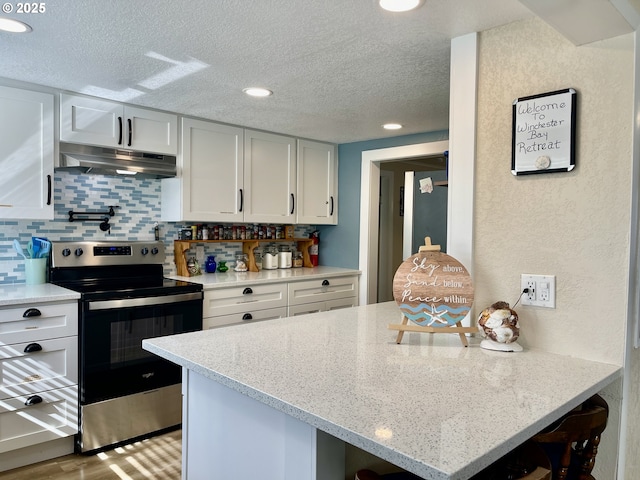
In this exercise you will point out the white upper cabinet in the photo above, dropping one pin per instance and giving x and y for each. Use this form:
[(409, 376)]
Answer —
[(317, 183), (210, 187), (105, 123), (26, 154), (269, 178)]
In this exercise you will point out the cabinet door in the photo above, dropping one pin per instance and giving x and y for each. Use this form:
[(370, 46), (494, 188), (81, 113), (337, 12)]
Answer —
[(91, 121), (269, 177), (317, 192), (26, 154), (209, 187), (151, 131)]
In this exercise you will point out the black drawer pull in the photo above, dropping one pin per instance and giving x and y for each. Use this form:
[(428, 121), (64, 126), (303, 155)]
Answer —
[(33, 347), (247, 291), (33, 400), (247, 316), (32, 312), (325, 283)]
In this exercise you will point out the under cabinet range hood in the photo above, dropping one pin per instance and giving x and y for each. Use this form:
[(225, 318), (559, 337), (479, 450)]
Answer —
[(114, 161)]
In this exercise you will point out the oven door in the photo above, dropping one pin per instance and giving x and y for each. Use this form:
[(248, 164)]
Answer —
[(112, 361)]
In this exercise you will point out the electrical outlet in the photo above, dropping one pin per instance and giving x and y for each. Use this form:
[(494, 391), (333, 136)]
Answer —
[(541, 290), (531, 293)]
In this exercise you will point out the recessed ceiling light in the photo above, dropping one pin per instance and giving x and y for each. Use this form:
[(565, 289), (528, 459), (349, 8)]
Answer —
[(14, 26), (400, 5), (392, 126), (257, 92)]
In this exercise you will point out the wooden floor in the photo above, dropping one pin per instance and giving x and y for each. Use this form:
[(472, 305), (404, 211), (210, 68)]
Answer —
[(157, 458)]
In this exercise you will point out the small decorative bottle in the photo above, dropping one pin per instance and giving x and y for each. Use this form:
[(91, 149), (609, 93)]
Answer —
[(222, 266)]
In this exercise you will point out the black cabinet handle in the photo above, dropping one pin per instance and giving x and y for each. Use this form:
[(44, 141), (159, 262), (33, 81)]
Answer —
[(32, 312), (130, 131), (33, 400), (48, 189), (293, 203), (325, 283), (241, 200), (120, 130), (247, 316), (331, 211), (247, 291), (33, 347)]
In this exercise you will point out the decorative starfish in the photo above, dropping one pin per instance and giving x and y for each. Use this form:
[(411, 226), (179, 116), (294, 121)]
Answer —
[(435, 318)]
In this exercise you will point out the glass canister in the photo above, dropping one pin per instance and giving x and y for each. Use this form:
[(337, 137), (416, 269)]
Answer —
[(297, 260), (284, 256), (270, 258), (242, 262)]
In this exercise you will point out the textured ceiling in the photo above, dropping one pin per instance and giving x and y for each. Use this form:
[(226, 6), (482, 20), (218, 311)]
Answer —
[(339, 68)]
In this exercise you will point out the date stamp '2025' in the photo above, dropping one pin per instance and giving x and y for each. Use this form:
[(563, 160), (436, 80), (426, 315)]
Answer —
[(24, 7)]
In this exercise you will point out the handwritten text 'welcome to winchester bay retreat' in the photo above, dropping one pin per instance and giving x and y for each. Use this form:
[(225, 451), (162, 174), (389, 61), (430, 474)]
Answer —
[(541, 124)]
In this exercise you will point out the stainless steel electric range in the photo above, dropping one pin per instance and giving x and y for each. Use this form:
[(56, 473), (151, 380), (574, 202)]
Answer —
[(125, 391)]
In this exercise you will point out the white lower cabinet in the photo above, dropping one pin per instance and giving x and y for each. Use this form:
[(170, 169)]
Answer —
[(323, 294), (38, 375), (30, 419), (235, 305), (266, 301)]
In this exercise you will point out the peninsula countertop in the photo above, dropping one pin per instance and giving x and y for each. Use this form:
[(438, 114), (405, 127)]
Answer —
[(428, 405)]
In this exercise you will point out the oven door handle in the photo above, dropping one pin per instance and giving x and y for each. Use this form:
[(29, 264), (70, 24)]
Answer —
[(143, 301)]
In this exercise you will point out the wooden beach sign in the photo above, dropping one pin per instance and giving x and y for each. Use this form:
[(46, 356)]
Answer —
[(434, 291)]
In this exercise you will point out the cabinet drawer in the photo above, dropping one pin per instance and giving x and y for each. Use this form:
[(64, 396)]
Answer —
[(55, 416), (322, 290), (305, 308), (54, 320), (246, 317), (226, 301), (55, 365)]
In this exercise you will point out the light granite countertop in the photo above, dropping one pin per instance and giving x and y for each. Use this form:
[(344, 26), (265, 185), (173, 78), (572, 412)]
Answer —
[(20, 294), (239, 279), (429, 405)]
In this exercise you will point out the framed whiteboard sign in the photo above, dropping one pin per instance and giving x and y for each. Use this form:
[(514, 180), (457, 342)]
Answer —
[(544, 133)]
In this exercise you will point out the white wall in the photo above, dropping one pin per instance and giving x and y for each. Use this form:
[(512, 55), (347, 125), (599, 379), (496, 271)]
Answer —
[(573, 225)]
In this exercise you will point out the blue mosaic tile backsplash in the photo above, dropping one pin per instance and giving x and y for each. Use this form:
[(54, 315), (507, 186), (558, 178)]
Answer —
[(139, 210)]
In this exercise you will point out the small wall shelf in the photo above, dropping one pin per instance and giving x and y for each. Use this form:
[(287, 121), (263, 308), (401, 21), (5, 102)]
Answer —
[(181, 247)]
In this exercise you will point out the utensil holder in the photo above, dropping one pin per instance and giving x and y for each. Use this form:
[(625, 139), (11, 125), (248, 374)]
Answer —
[(35, 270)]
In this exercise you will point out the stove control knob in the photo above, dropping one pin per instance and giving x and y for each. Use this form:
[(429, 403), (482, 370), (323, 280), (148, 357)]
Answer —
[(154, 251), (144, 250), (66, 252), (78, 252)]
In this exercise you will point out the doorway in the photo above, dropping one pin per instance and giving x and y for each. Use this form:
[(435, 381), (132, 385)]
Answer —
[(408, 213)]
